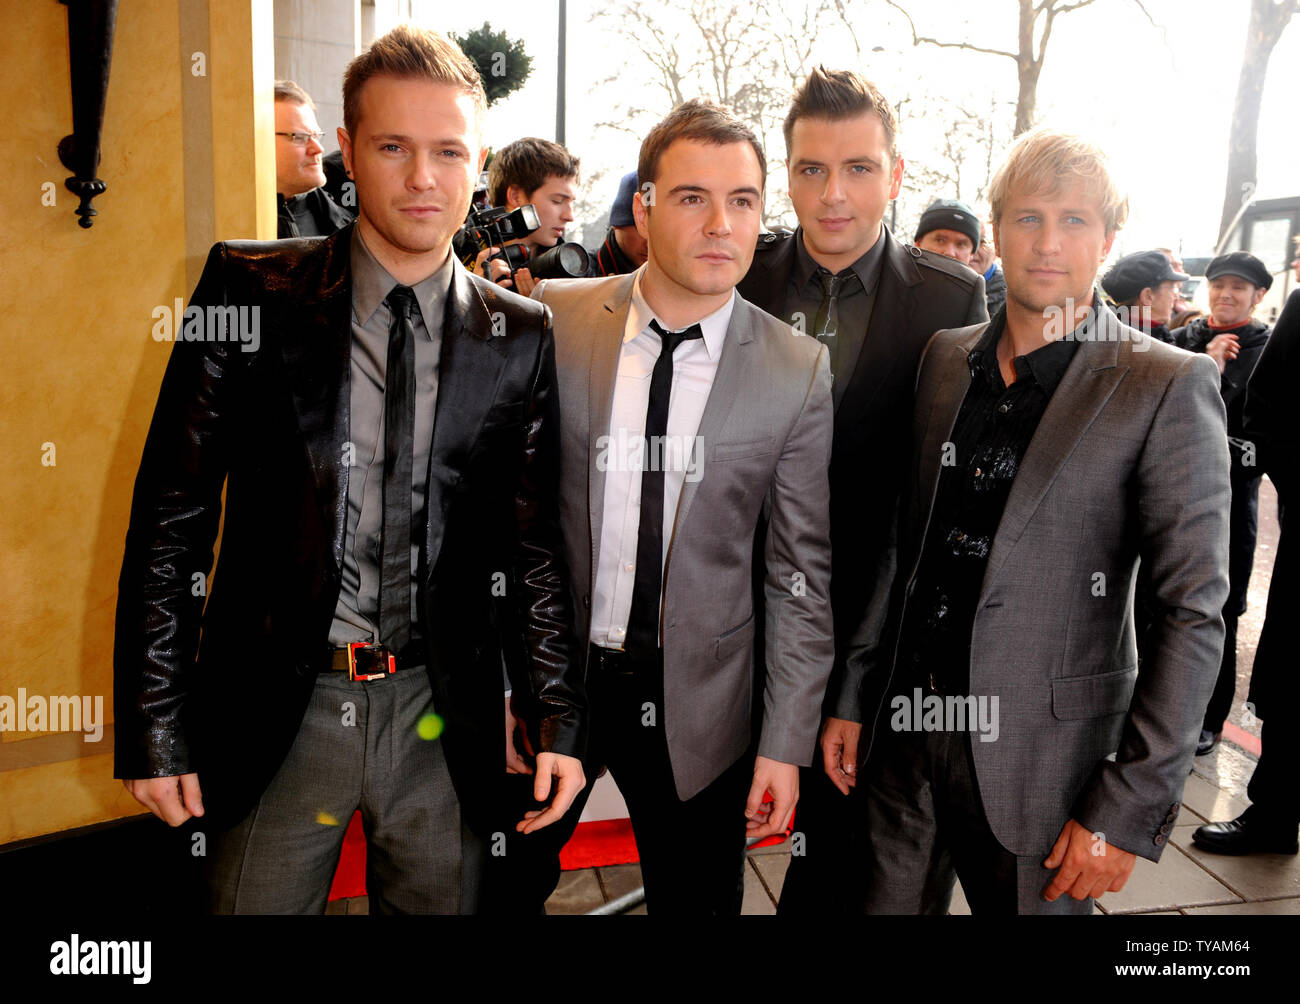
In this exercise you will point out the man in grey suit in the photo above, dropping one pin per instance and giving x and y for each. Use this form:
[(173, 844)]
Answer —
[(1014, 742), (684, 408)]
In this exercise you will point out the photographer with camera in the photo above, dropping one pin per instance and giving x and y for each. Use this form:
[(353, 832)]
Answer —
[(534, 173)]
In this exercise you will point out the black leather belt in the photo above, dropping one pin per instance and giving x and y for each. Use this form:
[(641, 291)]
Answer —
[(364, 661), (612, 661)]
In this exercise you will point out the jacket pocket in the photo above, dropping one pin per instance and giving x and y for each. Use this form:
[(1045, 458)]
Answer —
[(730, 642), (1093, 696), (739, 451)]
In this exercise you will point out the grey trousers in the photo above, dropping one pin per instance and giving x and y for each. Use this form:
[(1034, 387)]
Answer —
[(925, 827), (359, 746)]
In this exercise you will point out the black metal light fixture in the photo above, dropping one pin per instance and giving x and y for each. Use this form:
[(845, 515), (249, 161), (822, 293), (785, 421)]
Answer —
[(90, 53)]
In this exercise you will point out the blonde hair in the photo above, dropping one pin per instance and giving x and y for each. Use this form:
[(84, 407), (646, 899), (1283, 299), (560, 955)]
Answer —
[(1044, 161), (411, 53)]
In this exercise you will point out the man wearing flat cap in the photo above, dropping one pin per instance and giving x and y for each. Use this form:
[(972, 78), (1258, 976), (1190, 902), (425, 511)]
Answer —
[(1234, 339), (1146, 283)]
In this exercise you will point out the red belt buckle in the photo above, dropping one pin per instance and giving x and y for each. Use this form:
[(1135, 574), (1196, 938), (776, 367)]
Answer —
[(373, 657)]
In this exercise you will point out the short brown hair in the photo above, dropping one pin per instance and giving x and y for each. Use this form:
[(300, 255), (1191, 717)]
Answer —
[(528, 163), (704, 122), (1045, 161), (836, 95), (287, 90), (411, 53)]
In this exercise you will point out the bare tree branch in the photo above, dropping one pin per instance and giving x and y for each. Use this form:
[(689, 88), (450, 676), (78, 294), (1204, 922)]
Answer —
[(918, 39)]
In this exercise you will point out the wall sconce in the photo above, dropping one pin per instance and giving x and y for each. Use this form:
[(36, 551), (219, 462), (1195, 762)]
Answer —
[(90, 52)]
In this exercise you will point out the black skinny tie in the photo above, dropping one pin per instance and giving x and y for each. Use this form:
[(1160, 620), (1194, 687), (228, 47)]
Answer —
[(399, 440), (642, 640)]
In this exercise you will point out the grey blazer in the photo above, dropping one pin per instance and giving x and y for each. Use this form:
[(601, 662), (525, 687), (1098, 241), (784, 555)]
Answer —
[(765, 433), (1129, 461)]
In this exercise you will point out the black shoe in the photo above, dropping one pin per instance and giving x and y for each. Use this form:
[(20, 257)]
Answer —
[(1246, 836), (1207, 742)]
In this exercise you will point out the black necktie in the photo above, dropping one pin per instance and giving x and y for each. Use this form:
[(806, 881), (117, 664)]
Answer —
[(399, 442), (642, 640), (828, 313)]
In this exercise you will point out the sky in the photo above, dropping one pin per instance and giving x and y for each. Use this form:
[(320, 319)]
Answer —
[(1157, 99)]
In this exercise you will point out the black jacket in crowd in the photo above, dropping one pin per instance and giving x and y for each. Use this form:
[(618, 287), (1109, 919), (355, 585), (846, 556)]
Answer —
[(1271, 419), (326, 213)]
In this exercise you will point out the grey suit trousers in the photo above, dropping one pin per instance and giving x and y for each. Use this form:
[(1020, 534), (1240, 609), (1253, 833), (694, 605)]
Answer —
[(358, 747), (926, 827)]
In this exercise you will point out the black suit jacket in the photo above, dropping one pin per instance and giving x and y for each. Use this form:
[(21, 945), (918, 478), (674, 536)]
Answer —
[(918, 294), (271, 426), (1272, 423)]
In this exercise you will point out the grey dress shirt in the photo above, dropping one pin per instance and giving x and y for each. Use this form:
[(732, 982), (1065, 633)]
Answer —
[(805, 295), (357, 614)]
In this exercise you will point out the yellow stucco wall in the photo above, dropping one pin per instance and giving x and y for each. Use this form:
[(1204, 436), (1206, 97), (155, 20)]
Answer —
[(78, 367)]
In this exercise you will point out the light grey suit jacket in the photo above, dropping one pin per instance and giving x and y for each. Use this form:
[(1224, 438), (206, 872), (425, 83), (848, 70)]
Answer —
[(1128, 461), (765, 433)]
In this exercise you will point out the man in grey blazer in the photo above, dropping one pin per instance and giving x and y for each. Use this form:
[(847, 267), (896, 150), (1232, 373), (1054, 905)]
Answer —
[(667, 458), (1012, 740)]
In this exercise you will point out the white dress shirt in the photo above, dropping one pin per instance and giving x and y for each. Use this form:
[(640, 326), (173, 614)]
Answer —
[(622, 452)]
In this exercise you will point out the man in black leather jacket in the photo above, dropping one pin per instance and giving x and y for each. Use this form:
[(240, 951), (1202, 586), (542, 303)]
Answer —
[(377, 359)]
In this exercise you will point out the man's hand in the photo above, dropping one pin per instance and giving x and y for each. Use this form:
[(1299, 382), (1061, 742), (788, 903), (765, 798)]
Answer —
[(516, 764), (569, 780), (1223, 349), (782, 780), (1086, 865), (498, 271), (172, 799), (839, 745)]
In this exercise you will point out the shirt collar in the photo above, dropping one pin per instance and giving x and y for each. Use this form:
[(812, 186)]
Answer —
[(1045, 366), (371, 284), (714, 325), (866, 267)]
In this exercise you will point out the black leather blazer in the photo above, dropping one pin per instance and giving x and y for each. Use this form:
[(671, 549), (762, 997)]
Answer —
[(270, 425)]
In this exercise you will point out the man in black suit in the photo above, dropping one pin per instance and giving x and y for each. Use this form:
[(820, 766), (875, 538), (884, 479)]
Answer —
[(844, 278), (388, 448)]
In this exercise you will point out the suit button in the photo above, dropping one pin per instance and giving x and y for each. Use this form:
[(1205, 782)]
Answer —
[(1160, 838), (1165, 829), (1173, 809)]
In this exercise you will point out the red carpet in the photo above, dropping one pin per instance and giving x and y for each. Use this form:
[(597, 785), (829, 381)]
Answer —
[(597, 844)]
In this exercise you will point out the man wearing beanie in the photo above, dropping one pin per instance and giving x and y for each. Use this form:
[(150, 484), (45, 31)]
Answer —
[(624, 249), (1234, 340), (1146, 283), (950, 228)]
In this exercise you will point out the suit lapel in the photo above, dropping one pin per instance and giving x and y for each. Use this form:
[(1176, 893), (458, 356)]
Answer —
[(728, 383), (1089, 381), (316, 343), (606, 346), (470, 366), (944, 404)]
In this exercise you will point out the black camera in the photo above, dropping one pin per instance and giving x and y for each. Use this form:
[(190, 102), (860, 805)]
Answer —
[(494, 227)]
